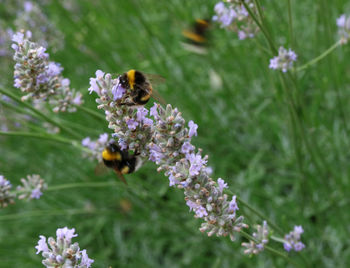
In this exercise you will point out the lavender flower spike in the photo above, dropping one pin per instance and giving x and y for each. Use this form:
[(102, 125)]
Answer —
[(41, 79), (60, 252), (166, 140)]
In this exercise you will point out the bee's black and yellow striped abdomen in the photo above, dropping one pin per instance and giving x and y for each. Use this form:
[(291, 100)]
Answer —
[(198, 34)]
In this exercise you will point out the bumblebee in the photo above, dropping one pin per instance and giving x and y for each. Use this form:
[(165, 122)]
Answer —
[(140, 86), (120, 160), (198, 35)]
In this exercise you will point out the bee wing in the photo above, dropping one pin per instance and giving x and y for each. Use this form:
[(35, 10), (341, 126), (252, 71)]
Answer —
[(120, 176), (101, 169), (155, 79), (157, 97)]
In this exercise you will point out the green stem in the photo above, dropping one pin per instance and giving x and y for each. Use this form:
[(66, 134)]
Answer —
[(267, 36), (82, 185), (278, 239), (40, 114), (320, 57), (44, 136), (91, 112), (270, 249), (50, 212), (301, 126), (290, 23)]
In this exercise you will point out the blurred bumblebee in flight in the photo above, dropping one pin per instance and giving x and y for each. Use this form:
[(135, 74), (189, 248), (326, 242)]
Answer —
[(140, 86), (197, 37)]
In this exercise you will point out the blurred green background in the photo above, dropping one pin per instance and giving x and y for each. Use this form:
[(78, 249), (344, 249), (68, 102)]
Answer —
[(244, 127)]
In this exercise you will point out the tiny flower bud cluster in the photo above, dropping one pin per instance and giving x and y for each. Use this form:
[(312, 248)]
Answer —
[(284, 60), (343, 24), (167, 142), (6, 196), (32, 187), (44, 31), (95, 147), (261, 237), (61, 253), (41, 79), (292, 240), (234, 16), (131, 125)]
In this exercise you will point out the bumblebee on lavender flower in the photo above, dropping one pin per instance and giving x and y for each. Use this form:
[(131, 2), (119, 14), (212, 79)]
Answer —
[(140, 87), (120, 160)]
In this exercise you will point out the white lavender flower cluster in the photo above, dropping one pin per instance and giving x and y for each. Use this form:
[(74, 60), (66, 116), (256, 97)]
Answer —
[(167, 142), (261, 237), (292, 240), (95, 147), (233, 16), (61, 253), (31, 189), (343, 23), (131, 126), (41, 79), (6, 196), (284, 60)]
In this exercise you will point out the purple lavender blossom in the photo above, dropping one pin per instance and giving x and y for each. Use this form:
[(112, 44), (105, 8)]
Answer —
[(53, 69), (42, 245), (36, 193), (187, 148), (222, 185), (123, 145), (132, 124), (292, 240), (343, 23), (118, 91), (196, 162), (284, 60), (193, 129), (18, 38), (65, 233), (156, 154), (198, 209), (31, 188)]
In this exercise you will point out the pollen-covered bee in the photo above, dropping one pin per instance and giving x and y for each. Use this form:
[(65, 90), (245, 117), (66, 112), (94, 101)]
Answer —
[(120, 160), (140, 86)]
